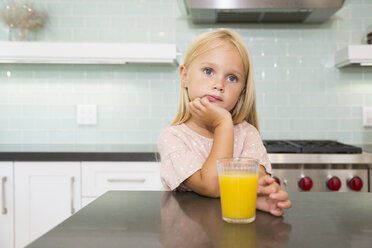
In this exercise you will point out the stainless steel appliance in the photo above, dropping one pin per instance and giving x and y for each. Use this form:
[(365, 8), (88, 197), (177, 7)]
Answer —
[(319, 166), (261, 11)]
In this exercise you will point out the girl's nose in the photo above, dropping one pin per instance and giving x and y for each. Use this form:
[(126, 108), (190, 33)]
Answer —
[(219, 86)]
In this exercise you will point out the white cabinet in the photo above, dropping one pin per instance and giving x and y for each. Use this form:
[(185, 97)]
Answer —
[(99, 177), (46, 193), (6, 201)]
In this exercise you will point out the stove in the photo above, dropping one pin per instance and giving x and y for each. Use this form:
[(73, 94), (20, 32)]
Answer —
[(319, 166), (309, 146)]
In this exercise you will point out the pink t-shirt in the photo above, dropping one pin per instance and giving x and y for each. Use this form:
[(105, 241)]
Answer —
[(183, 151)]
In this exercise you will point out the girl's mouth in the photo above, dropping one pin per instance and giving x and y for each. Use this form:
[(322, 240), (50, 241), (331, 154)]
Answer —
[(214, 98)]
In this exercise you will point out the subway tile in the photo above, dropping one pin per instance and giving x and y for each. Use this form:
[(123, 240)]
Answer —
[(34, 111), (368, 99), (35, 137), (268, 134), (312, 112), (136, 137), (137, 111), (171, 99), (356, 112), (4, 123), (11, 136), (61, 137), (166, 86), (351, 74), (163, 111), (46, 124), (276, 99), (112, 9), (275, 124), (289, 112), (81, 9), (350, 99), (135, 9), (71, 22), (150, 124), (86, 34), (337, 112), (59, 9), (350, 124), (311, 135), (69, 123), (289, 135), (57, 111), (337, 86), (288, 86), (150, 98), (267, 112), (88, 134), (339, 136), (111, 137), (314, 124), (312, 86), (300, 94), (360, 11)]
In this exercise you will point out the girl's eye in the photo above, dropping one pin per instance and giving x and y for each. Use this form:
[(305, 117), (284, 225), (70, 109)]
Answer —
[(208, 71), (232, 78)]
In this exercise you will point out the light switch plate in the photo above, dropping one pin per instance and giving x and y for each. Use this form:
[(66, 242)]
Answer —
[(86, 114), (367, 116)]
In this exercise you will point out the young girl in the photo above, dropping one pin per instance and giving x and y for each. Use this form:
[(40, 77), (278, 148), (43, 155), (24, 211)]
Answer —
[(217, 118)]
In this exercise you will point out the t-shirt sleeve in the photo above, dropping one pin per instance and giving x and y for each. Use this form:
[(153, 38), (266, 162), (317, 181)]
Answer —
[(178, 161), (253, 147)]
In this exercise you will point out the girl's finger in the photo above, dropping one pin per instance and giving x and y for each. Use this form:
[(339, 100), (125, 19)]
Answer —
[(198, 105), (285, 204), (268, 190), (265, 180), (276, 211), (279, 195), (204, 101)]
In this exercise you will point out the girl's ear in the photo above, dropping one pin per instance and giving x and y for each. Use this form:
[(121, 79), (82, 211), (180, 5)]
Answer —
[(183, 76)]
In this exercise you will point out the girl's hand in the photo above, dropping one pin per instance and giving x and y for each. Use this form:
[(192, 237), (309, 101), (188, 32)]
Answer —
[(208, 113), (270, 197)]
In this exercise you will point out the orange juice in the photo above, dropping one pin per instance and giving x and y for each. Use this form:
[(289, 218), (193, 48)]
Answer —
[(238, 192)]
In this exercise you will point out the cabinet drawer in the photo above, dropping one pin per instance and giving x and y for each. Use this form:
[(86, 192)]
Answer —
[(99, 177)]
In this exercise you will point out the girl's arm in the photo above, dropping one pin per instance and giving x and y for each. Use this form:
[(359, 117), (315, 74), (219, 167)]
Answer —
[(205, 181)]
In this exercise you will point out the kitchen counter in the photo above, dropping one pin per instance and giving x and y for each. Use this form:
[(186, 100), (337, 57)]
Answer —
[(76, 152), (184, 219)]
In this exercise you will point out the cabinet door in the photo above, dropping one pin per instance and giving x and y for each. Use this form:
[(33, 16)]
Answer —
[(99, 177), (6, 201), (46, 193)]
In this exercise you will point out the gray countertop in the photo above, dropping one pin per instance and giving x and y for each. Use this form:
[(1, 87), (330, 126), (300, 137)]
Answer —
[(78, 152), (148, 152), (184, 219)]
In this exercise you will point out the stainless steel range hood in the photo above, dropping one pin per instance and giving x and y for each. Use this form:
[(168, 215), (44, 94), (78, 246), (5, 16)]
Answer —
[(261, 11)]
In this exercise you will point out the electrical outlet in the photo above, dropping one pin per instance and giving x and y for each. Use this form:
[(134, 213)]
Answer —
[(367, 116), (86, 114)]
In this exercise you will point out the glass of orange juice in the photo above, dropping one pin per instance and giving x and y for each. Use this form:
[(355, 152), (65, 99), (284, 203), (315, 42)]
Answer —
[(238, 178)]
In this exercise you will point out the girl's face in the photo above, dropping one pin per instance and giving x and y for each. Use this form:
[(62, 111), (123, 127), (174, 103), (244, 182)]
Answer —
[(217, 74)]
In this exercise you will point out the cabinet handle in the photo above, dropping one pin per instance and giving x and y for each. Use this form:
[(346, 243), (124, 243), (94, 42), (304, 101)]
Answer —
[(118, 180), (72, 195), (3, 207)]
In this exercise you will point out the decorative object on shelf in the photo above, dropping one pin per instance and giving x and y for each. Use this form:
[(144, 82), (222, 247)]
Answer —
[(21, 18)]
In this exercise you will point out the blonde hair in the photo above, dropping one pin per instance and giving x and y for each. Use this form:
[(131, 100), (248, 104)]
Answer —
[(245, 108)]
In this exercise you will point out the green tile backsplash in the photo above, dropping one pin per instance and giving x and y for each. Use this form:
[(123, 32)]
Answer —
[(300, 94)]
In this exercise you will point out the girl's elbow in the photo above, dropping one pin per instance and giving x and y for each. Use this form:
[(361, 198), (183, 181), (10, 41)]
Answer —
[(213, 191)]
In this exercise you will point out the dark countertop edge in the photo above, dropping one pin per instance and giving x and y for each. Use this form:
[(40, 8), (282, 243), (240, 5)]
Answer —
[(79, 156)]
